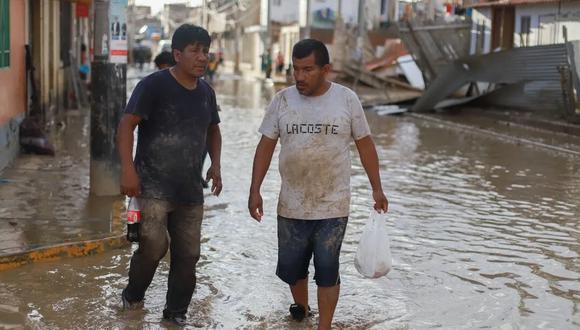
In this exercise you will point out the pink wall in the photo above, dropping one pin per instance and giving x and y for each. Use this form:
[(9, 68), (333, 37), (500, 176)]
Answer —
[(13, 78)]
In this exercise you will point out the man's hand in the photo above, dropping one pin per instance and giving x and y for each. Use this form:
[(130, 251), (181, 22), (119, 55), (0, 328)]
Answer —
[(214, 173), (370, 161), (130, 183), (381, 202), (262, 158), (255, 206)]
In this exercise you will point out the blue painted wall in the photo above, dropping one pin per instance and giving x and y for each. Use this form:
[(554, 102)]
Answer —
[(9, 141)]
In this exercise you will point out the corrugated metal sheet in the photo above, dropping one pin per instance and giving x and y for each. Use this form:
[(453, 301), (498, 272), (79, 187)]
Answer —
[(519, 64), (486, 3), (532, 72), (534, 68), (436, 46)]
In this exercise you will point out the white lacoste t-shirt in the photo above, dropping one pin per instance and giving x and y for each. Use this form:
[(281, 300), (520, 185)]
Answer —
[(315, 134)]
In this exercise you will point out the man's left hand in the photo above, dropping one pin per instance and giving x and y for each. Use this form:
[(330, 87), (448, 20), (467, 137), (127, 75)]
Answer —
[(381, 202), (214, 174)]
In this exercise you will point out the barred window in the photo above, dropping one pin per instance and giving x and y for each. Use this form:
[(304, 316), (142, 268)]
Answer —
[(4, 33)]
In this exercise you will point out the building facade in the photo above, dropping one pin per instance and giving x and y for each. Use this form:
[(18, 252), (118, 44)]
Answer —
[(523, 23), (13, 104), (54, 32)]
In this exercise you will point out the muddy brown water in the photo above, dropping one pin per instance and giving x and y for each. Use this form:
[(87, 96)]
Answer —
[(484, 234)]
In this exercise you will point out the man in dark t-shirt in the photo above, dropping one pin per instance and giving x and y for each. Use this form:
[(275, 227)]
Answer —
[(177, 115)]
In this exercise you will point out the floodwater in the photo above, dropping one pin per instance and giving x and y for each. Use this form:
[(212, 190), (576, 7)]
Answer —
[(484, 234)]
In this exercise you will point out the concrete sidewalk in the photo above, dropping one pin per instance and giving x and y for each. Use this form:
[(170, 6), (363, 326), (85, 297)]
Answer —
[(45, 208)]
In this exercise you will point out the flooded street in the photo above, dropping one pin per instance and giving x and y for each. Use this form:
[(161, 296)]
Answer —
[(485, 234)]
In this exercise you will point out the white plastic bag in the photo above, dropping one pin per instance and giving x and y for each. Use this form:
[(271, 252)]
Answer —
[(373, 255)]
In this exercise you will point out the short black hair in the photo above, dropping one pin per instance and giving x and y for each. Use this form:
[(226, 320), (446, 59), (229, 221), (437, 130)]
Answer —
[(164, 57), (304, 48), (189, 34)]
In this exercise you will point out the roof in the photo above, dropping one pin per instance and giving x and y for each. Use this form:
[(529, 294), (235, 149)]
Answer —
[(495, 3)]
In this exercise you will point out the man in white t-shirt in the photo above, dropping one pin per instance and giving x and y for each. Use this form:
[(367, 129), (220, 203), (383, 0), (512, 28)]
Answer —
[(315, 120)]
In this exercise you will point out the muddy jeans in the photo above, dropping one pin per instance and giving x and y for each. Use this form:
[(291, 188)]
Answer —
[(183, 224), (299, 240)]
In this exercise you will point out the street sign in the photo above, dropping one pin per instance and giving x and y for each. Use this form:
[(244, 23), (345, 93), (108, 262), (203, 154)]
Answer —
[(118, 31)]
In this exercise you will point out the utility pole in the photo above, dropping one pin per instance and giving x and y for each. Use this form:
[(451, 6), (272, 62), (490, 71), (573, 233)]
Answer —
[(362, 30), (109, 77), (269, 25), (430, 10), (308, 19), (361, 18), (339, 41), (238, 44), (204, 14), (360, 40)]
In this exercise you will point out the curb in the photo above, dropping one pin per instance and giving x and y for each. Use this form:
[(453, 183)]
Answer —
[(505, 137), (531, 121), (72, 249), (55, 252)]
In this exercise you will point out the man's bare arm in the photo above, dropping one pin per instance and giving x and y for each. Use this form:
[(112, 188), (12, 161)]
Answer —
[(262, 159), (370, 161), (214, 149), (130, 183)]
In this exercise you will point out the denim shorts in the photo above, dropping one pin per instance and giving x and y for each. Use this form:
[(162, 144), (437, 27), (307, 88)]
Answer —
[(298, 240)]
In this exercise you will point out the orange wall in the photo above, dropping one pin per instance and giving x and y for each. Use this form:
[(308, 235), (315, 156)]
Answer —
[(13, 78)]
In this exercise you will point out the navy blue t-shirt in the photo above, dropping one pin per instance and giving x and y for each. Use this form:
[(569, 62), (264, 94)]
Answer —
[(171, 136)]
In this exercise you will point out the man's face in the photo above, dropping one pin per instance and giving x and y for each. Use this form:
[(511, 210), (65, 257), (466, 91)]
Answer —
[(308, 75), (193, 59)]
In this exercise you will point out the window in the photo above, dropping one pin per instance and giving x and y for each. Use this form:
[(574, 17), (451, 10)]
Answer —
[(525, 30), (480, 37), (4, 33), (525, 24), (384, 7)]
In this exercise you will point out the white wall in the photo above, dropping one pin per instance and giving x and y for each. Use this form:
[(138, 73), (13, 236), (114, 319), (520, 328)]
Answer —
[(289, 35), (373, 12), (252, 49), (482, 16), (547, 23), (349, 9), (264, 12), (284, 11)]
